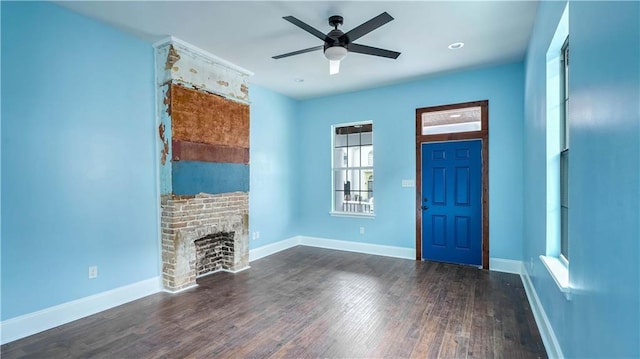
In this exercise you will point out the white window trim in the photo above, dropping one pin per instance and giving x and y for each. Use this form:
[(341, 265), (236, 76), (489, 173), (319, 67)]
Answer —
[(559, 272), (333, 212), (352, 214)]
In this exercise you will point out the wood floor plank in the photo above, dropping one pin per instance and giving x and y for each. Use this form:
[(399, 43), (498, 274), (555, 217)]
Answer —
[(312, 303)]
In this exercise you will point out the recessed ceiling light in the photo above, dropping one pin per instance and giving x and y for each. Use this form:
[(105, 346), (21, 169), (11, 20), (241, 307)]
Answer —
[(456, 45), (297, 79)]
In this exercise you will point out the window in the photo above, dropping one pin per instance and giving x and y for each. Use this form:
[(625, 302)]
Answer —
[(556, 258), (564, 152), (353, 169)]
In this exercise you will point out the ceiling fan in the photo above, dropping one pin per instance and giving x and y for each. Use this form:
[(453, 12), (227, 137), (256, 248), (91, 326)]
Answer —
[(337, 43)]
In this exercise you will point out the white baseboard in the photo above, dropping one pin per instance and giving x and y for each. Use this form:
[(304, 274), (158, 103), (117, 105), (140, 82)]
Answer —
[(185, 288), (544, 326), (359, 247), (269, 249), (505, 265), (235, 271), (32, 323)]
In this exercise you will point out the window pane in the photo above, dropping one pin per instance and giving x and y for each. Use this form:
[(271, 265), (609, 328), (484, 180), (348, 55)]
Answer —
[(564, 98), (340, 157), (340, 181), (366, 139), (366, 156), (354, 139), (452, 121), (368, 178), (354, 177), (338, 201), (564, 203), (354, 157), (340, 141)]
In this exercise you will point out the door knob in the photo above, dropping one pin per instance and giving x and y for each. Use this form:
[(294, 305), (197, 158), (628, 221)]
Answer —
[(424, 208)]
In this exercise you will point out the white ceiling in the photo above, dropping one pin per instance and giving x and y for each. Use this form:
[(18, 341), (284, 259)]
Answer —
[(248, 34)]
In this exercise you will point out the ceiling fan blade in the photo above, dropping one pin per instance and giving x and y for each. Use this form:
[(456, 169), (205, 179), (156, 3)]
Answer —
[(298, 52), (367, 27), (368, 50), (334, 67), (308, 28)]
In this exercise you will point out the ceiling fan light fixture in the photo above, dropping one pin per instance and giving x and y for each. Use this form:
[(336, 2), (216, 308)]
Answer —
[(335, 53)]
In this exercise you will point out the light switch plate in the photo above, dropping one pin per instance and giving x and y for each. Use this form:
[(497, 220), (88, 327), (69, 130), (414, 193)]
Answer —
[(408, 183)]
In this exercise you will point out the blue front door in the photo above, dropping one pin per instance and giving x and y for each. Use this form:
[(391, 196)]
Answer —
[(452, 202)]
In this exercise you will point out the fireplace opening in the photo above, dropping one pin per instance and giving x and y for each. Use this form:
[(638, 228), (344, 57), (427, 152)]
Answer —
[(214, 252)]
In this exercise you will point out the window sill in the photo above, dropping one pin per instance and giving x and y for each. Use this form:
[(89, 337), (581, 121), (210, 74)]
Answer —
[(559, 272), (352, 215)]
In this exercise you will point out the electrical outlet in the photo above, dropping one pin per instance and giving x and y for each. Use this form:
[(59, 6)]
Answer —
[(93, 272), (258, 235), (361, 230), (255, 235)]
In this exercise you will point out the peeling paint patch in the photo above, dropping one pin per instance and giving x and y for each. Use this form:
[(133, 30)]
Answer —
[(165, 144), (183, 64), (172, 58), (167, 100)]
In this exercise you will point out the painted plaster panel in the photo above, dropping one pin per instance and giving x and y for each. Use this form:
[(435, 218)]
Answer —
[(193, 177)]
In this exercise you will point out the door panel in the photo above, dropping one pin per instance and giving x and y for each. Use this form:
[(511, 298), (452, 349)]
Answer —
[(439, 185), (462, 234), (452, 202), (439, 231), (462, 180)]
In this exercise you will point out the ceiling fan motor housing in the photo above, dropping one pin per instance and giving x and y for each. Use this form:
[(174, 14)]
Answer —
[(336, 35)]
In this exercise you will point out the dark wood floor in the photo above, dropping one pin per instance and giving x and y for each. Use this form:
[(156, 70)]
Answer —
[(309, 302)]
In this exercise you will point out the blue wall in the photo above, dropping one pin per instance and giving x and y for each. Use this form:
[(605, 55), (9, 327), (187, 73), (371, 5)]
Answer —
[(392, 110), (603, 317), (78, 174), (274, 136)]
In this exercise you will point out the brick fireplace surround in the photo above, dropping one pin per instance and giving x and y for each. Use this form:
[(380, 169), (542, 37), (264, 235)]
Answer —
[(186, 219), (203, 141)]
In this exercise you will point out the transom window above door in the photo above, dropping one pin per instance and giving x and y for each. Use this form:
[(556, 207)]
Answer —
[(466, 119)]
